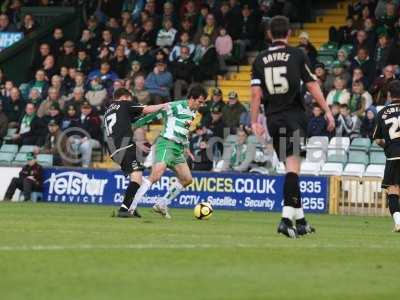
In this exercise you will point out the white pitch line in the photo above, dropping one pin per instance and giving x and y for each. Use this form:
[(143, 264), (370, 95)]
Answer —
[(184, 246)]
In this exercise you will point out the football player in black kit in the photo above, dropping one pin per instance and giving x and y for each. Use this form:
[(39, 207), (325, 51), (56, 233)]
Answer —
[(277, 74), (118, 119), (387, 134)]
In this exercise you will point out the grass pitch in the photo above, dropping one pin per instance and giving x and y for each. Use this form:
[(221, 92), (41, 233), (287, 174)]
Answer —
[(50, 251)]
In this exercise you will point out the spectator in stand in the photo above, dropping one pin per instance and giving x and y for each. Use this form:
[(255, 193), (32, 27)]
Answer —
[(365, 63), (30, 128), (232, 111), (30, 179), (339, 94), (95, 28), (215, 101), (369, 123), (187, 26), (317, 123), (106, 75), (13, 10), (56, 42), (6, 89), (381, 52), (222, 15), (224, 46), (83, 62), (35, 97), (138, 91), (166, 35), (55, 143), (310, 50), (39, 83), (38, 59), (53, 97), (87, 43), (182, 70), (360, 99), (183, 42), (216, 126), (5, 25), (3, 123), (205, 57), (106, 41), (114, 27), (358, 75), (380, 86), (55, 114), (129, 33), (135, 71), (148, 34), (158, 83), (338, 70), (120, 63), (361, 40), (143, 57), (239, 156), (346, 33), (394, 50), (169, 12), (105, 55), (199, 148), (78, 96), (389, 19), (210, 29), (342, 57), (348, 125), (14, 107), (189, 11), (49, 67), (71, 117), (29, 24), (91, 123), (321, 73), (244, 32), (56, 82), (97, 94)]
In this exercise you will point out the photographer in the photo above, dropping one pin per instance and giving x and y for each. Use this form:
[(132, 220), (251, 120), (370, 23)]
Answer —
[(198, 147)]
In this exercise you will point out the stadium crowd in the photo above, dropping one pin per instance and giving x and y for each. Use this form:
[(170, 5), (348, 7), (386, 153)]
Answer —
[(157, 49)]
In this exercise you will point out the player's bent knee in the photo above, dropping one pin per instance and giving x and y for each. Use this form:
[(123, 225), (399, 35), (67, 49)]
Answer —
[(187, 181)]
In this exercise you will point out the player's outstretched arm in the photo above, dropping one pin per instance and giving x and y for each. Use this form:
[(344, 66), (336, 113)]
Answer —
[(256, 95), (315, 90), (149, 109)]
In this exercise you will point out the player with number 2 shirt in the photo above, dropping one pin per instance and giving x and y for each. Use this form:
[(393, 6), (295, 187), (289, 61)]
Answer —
[(277, 77), (118, 119)]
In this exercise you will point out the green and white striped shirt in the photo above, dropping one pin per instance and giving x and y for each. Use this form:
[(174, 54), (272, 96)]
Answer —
[(177, 119)]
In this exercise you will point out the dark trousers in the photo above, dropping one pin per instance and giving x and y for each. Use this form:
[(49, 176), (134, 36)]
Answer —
[(26, 185)]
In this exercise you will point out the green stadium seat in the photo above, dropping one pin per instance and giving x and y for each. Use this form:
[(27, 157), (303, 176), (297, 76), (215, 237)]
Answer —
[(337, 157), (358, 157), (377, 158), (231, 139), (6, 158), (347, 47), (46, 160), (327, 60), (20, 159), (375, 148), (360, 144), (26, 148), (329, 48), (10, 133), (9, 148)]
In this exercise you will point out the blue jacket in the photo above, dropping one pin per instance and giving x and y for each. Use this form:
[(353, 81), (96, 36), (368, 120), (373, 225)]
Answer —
[(317, 127), (159, 84)]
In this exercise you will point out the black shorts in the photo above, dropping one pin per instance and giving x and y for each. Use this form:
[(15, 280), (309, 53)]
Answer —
[(128, 161), (392, 173), (288, 130)]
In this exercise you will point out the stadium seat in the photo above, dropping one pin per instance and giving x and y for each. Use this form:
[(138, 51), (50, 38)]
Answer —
[(327, 60), (310, 168), (329, 48), (353, 169), (375, 170), (347, 47), (19, 160), (9, 148), (46, 160), (319, 142), (358, 157), (26, 148), (281, 169), (10, 133), (316, 155), (334, 169), (6, 158), (337, 156), (231, 139), (377, 158), (342, 143), (375, 148), (360, 144)]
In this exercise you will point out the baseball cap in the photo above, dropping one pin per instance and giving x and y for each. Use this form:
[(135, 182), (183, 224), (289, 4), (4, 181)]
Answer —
[(232, 95), (216, 109), (52, 122), (216, 92), (319, 65), (86, 104)]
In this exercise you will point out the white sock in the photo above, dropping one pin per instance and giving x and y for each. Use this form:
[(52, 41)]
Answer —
[(288, 212), (396, 218), (299, 213), (173, 191), (144, 187)]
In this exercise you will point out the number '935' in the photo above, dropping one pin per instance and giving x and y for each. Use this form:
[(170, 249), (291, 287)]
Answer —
[(310, 186)]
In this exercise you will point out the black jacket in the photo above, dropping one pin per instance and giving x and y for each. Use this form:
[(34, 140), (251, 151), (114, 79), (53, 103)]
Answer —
[(183, 69)]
